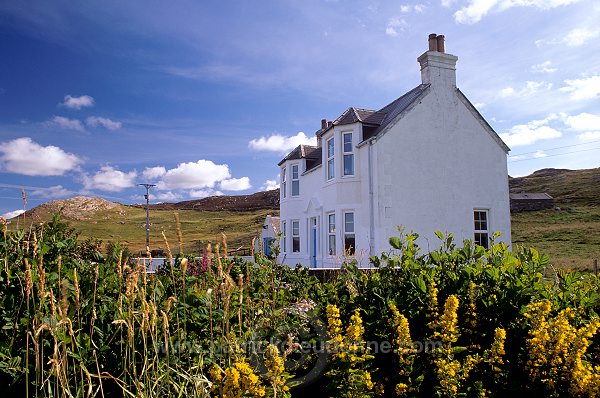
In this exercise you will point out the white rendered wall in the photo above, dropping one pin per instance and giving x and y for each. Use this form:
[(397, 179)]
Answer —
[(435, 167)]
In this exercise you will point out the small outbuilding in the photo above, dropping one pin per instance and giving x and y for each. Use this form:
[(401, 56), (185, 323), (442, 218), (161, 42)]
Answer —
[(269, 235), (530, 201)]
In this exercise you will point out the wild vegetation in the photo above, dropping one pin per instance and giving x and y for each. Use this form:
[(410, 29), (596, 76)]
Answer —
[(459, 321)]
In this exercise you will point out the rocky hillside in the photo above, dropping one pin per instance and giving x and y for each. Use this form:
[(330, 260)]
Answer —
[(574, 187), (268, 200), (78, 208)]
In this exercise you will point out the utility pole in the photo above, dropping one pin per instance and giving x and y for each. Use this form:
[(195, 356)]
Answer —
[(147, 196)]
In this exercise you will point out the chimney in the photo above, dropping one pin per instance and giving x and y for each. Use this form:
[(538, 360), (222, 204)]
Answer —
[(329, 124), (437, 67), (323, 124)]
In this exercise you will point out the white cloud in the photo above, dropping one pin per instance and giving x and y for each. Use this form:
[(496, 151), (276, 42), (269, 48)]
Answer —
[(394, 25), (448, 3), (95, 121), (475, 10), (204, 193), (194, 175), (167, 196), (418, 8), (269, 185), (530, 88), (544, 67), (578, 36), (110, 179), (77, 103), (24, 156), (152, 173), (589, 135), (527, 134), (280, 143), (235, 184), (57, 191), (66, 123), (13, 214), (582, 89), (539, 154), (583, 121)]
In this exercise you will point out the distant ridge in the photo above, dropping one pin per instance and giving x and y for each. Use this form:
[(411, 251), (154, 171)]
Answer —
[(576, 187), (256, 201)]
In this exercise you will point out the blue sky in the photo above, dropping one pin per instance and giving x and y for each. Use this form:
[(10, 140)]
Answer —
[(205, 97)]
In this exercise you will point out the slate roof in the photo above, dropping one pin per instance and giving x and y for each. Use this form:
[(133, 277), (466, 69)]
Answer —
[(381, 118), (303, 152), (530, 196)]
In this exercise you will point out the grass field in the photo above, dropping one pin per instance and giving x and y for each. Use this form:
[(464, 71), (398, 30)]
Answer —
[(571, 237), (127, 225)]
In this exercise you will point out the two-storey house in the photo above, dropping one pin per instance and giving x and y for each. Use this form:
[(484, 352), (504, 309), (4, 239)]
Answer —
[(427, 161)]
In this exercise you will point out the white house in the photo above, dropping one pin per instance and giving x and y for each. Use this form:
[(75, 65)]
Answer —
[(426, 161), (268, 235)]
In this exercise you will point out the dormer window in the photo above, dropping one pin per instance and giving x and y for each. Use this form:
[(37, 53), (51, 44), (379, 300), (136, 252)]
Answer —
[(283, 182), (295, 180), (330, 158), (348, 154)]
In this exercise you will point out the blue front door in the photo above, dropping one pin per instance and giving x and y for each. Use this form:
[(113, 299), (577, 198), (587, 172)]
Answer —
[(267, 243)]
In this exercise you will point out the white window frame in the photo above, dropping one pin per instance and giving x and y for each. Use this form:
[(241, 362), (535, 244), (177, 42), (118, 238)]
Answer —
[(330, 155), (295, 235), (283, 237), (283, 182), (347, 154), (349, 232), (295, 181), (331, 243), (481, 228)]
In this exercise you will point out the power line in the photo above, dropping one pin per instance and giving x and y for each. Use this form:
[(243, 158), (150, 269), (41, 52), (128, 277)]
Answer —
[(552, 149), (556, 154)]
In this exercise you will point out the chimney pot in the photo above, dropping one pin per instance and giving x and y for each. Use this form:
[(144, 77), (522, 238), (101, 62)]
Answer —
[(329, 124), (433, 43), (323, 124), (440, 44)]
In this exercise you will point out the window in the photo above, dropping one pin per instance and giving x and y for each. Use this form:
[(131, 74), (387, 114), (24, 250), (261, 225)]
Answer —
[(349, 237), (330, 158), (348, 155), (283, 180), (481, 228), (295, 181), (331, 234), (296, 236), (283, 237)]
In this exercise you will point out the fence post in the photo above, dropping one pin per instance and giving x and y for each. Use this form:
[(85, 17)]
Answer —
[(596, 266)]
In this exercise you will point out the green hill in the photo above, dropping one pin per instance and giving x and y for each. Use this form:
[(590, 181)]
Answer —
[(569, 234)]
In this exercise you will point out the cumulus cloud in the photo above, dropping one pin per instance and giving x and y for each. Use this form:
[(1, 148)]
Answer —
[(579, 36), (95, 121), (152, 173), (582, 89), (280, 143), (530, 88), (109, 179), (583, 121), (589, 135), (13, 214), (527, 134), (77, 103), (235, 184), (475, 10), (544, 67), (394, 25), (269, 185), (194, 175), (66, 123), (54, 192), (418, 8), (204, 193), (24, 156), (165, 196)]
